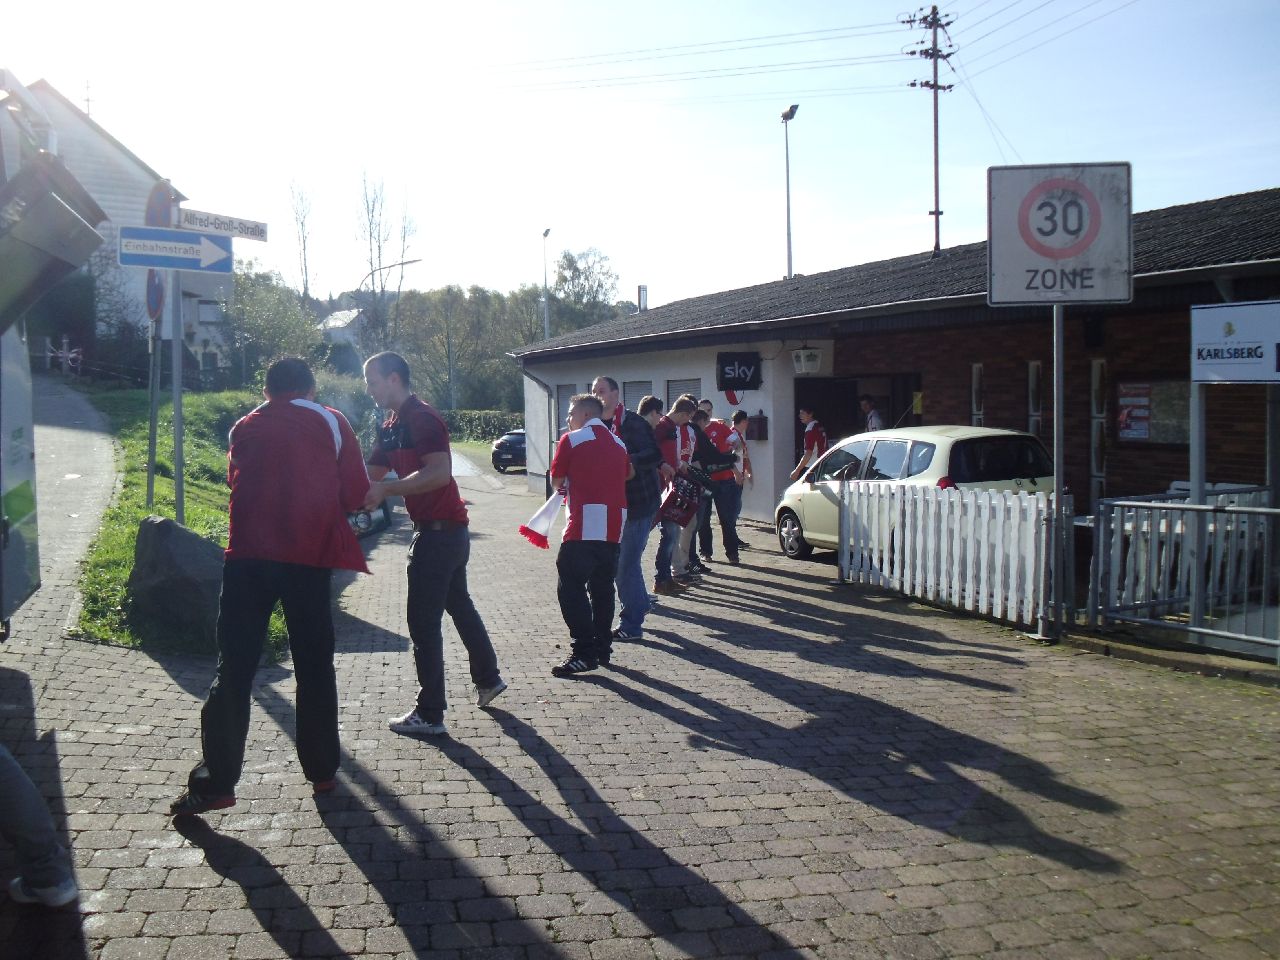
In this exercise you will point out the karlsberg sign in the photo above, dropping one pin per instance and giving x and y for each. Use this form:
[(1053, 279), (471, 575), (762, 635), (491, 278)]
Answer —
[(738, 371), (220, 224), (1236, 343)]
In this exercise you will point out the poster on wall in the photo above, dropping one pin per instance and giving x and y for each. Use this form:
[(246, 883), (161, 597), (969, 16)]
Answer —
[(1133, 411)]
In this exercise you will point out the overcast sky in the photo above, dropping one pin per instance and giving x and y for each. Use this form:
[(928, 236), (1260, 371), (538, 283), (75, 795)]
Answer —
[(652, 131)]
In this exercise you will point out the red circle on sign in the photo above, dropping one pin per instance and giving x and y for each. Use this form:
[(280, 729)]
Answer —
[(1090, 234), (159, 211)]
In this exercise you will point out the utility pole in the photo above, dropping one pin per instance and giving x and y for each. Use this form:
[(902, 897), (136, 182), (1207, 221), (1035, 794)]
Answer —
[(933, 22)]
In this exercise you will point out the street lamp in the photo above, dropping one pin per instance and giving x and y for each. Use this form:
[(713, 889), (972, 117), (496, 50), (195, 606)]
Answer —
[(374, 291), (787, 116), (546, 316)]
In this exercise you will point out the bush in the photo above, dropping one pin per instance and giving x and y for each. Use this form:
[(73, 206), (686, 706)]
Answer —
[(480, 425)]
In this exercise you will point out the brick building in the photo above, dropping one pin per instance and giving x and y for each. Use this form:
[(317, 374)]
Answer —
[(916, 333)]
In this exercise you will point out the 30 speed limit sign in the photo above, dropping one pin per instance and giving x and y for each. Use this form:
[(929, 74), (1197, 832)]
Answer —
[(1059, 234)]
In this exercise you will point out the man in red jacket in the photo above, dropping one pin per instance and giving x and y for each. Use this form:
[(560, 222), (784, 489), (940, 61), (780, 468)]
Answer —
[(295, 471), (592, 466)]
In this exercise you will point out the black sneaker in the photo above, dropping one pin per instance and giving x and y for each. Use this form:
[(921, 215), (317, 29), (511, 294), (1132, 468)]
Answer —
[(699, 567), (573, 666), (622, 635), (191, 803), (705, 557)]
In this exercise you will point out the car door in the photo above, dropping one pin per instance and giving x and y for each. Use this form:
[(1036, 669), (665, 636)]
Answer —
[(821, 503)]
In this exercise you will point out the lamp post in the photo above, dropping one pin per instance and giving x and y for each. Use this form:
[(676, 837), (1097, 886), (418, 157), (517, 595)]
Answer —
[(787, 116), (390, 266), (546, 315)]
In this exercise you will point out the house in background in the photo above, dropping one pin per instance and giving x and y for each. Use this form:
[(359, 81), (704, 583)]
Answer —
[(917, 334), (121, 182)]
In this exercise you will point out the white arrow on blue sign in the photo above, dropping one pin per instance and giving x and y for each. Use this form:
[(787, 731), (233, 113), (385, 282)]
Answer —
[(165, 249)]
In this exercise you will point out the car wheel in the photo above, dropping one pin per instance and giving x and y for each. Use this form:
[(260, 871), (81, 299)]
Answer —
[(791, 537), (499, 467)]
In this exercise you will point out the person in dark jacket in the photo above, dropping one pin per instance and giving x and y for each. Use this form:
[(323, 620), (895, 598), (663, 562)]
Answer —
[(643, 497), (295, 472)]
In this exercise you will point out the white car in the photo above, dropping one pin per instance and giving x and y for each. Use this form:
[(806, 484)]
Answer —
[(981, 458)]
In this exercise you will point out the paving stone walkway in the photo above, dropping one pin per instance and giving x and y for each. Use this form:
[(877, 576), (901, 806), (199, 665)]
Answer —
[(784, 768)]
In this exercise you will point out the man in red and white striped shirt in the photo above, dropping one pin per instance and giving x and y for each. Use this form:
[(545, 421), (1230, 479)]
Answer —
[(593, 466)]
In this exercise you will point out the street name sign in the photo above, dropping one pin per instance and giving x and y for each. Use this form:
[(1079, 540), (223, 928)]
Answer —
[(1059, 234), (164, 249), (220, 224)]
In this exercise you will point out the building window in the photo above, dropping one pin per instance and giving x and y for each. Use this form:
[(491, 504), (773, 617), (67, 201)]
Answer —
[(633, 391), (1035, 401), (975, 395), (678, 388), (209, 311)]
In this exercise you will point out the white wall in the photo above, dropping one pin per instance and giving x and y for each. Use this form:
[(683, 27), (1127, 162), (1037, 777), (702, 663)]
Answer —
[(120, 185), (771, 459)]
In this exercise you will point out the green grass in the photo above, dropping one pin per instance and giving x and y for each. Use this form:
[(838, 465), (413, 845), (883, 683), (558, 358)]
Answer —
[(206, 418)]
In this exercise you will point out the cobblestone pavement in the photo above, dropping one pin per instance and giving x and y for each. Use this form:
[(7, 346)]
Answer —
[(783, 768)]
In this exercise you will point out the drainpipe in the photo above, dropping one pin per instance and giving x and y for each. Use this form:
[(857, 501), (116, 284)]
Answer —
[(551, 422)]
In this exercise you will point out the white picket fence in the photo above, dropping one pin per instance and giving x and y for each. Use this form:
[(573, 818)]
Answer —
[(987, 552)]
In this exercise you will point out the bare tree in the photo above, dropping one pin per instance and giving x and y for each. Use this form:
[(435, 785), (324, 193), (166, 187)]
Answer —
[(376, 234), (301, 214)]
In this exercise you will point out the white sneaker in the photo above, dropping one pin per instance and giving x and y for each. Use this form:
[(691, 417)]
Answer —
[(486, 695), (58, 896), (413, 724)]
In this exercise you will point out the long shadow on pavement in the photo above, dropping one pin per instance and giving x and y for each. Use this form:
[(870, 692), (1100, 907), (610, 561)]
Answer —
[(867, 750), (279, 910), (35, 932), (441, 904), (845, 651), (671, 900)]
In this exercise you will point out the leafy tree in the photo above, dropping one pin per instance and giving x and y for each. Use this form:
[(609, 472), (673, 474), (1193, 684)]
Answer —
[(584, 279), (267, 319)]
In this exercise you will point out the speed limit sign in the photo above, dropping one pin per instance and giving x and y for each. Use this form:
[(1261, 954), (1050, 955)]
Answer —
[(1059, 234)]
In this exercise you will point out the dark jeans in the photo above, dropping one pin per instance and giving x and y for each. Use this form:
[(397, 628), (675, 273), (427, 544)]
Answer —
[(250, 589), (438, 584), (703, 520), (728, 498), (585, 589)]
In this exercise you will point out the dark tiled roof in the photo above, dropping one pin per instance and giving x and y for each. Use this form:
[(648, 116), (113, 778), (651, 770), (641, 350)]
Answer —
[(1235, 229)]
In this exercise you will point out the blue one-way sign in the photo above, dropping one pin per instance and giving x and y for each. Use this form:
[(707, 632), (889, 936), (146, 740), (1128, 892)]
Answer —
[(174, 250)]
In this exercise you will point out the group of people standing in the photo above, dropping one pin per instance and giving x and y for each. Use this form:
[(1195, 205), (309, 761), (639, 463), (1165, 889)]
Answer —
[(662, 454), (295, 470)]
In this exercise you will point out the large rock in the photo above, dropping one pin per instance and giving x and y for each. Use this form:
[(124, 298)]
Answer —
[(175, 582)]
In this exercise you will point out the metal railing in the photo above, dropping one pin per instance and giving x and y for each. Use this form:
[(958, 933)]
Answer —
[(1206, 570)]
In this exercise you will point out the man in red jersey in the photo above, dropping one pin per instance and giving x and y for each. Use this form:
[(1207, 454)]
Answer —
[(414, 442), (815, 442), (295, 472), (593, 466)]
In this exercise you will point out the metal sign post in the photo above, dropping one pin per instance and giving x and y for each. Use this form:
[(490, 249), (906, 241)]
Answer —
[(1058, 235)]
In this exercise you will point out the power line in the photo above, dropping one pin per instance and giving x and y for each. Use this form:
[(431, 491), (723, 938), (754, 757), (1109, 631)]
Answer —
[(711, 73), (815, 34), (992, 127), (978, 23), (1007, 23), (1059, 36)]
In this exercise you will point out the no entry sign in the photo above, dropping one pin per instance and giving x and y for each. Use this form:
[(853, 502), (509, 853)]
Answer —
[(1059, 234)]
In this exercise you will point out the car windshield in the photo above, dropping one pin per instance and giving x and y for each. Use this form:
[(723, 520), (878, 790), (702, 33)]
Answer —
[(985, 459), (849, 456)]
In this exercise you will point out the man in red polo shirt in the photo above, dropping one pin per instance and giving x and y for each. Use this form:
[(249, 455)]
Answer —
[(414, 442), (593, 465), (295, 472)]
